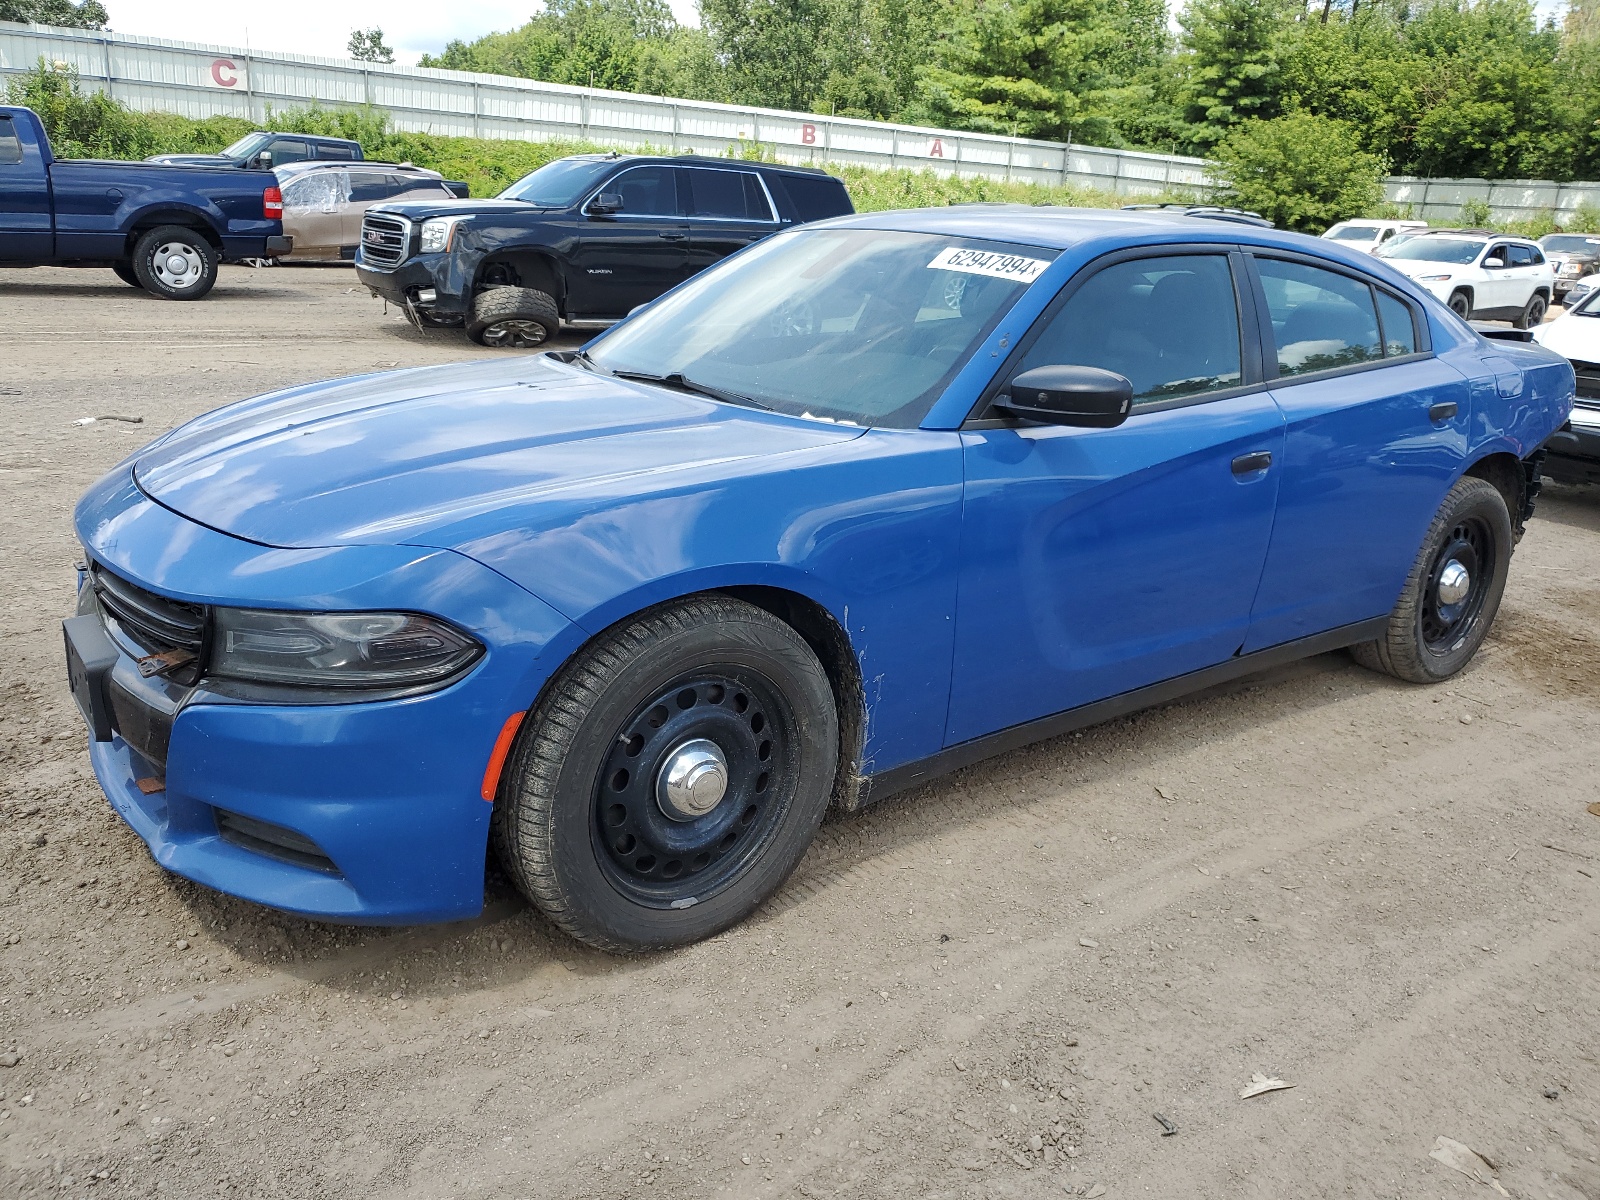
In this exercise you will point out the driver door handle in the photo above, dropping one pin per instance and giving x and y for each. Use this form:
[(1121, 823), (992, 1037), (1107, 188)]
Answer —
[(674, 237), (1442, 412), (1248, 463)]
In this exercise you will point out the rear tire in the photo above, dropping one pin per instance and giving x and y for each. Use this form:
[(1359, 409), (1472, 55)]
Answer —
[(585, 823), (512, 318), (124, 272), (175, 263), (1453, 591), (1534, 312), (1461, 305)]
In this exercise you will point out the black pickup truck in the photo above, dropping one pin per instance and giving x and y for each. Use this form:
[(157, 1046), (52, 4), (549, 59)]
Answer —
[(164, 229), (582, 239)]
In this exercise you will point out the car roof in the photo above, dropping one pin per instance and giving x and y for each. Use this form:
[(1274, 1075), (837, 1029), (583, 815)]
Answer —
[(702, 160)]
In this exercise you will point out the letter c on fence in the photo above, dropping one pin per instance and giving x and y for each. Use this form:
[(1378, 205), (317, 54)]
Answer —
[(218, 66), (808, 135)]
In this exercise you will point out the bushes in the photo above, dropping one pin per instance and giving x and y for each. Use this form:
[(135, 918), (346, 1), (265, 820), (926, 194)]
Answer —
[(1302, 171)]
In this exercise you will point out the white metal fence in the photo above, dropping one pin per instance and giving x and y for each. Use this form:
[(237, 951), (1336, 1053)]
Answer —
[(200, 81)]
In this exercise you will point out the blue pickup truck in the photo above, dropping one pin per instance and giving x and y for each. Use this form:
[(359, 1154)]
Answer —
[(162, 228)]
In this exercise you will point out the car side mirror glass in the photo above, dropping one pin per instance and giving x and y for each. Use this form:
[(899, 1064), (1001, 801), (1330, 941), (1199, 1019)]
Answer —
[(605, 204), (1493, 263), (1086, 397), (264, 160)]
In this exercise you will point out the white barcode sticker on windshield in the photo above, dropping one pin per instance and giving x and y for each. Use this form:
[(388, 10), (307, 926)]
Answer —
[(987, 262)]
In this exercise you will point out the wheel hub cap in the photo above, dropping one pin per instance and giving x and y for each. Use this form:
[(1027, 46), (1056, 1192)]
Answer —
[(1455, 581), (177, 266), (693, 780)]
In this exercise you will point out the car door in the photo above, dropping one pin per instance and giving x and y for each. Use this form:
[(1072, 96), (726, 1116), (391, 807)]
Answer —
[(1377, 432), (1097, 561), (1499, 287), (629, 257), (1529, 269), (26, 232), (313, 215), (728, 210)]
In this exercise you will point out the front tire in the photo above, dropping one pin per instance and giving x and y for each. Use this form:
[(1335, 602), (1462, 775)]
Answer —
[(175, 263), (513, 318), (1453, 591), (1461, 305), (671, 777)]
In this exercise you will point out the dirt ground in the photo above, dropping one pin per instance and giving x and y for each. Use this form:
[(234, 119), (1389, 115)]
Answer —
[(1387, 896)]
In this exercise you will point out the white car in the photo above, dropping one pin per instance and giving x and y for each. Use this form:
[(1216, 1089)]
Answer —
[(1575, 449), (1369, 235), (1479, 274)]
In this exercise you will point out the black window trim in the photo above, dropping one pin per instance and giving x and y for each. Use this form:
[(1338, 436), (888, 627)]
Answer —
[(686, 176), (677, 191), (1250, 349), (1420, 335)]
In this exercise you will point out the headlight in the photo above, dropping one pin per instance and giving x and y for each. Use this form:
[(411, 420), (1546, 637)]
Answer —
[(437, 232), (338, 650), (1432, 278)]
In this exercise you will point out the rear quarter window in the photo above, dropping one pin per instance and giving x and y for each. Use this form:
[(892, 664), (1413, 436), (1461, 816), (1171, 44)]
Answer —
[(817, 197)]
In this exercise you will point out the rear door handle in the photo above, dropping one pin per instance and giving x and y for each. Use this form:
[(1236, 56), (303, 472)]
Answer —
[(1443, 412), (1245, 464), (674, 237)]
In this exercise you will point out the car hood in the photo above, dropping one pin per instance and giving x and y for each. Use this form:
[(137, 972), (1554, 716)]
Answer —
[(409, 456), (192, 160), (1573, 336), (1412, 267), (419, 210)]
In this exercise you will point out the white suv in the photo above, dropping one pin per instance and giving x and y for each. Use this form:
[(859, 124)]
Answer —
[(1479, 274), (1369, 235)]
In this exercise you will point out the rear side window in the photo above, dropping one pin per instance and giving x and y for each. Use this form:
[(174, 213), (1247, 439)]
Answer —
[(10, 144), (368, 187), (336, 152), (1522, 256), (1169, 324), (817, 197), (1320, 319), (1399, 330), (731, 195)]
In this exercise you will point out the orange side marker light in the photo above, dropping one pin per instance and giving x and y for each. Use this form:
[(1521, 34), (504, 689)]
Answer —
[(497, 759)]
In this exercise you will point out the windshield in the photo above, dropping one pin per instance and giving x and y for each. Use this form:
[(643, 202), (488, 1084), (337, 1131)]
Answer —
[(862, 326), (245, 146), (560, 183), (1353, 233), (1570, 243), (1460, 251)]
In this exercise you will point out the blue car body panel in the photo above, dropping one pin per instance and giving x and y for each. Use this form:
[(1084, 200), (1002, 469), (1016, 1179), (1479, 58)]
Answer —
[(984, 577)]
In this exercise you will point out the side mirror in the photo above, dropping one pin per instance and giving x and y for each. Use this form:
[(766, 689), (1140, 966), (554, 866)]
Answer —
[(605, 204), (1494, 263), (264, 160), (1086, 397)]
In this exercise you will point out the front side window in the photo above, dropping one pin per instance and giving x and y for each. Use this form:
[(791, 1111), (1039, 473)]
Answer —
[(646, 191), (731, 195), (861, 326), (1320, 319), (10, 144), (1170, 325), (317, 191), (288, 152)]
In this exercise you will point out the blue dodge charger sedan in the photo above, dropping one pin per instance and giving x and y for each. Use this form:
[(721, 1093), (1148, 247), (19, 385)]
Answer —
[(865, 503)]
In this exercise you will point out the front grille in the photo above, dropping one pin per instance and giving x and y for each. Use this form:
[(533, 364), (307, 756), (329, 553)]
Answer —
[(263, 837), (1588, 383), (385, 240), (151, 621)]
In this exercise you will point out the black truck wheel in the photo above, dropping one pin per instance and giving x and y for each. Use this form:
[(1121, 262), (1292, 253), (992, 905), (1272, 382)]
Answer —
[(175, 263), (124, 272), (1461, 305), (1453, 591), (1534, 312), (513, 318), (671, 777)]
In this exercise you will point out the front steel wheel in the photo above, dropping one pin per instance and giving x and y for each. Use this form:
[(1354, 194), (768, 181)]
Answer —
[(1452, 592), (671, 777)]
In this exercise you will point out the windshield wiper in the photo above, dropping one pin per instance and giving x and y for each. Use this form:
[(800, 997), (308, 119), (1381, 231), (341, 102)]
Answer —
[(677, 380)]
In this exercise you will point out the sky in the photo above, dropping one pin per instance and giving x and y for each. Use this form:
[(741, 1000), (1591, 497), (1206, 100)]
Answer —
[(411, 27)]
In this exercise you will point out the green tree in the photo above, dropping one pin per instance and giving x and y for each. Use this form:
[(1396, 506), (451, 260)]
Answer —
[(89, 14), (1302, 171), (776, 51), (367, 45), (1229, 62)]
